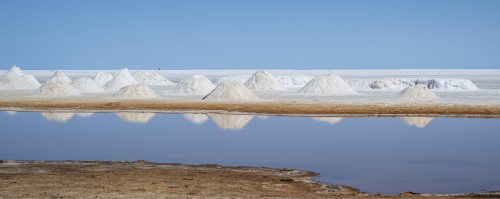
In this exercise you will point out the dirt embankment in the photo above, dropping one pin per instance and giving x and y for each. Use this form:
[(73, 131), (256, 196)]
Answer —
[(258, 107)]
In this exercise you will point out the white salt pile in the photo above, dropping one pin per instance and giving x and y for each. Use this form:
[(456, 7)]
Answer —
[(151, 79), (15, 79), (138, 91), (58, 89), (327, 85), (59, 76), (230, 91), (329, 120), (294, 81), (196, 118), (263, 81), (57, 117), (444, 84), (234, 78), (102, 78), (195, 85), (120, 79), (419, 122), (141, 118), (417, 92), (231, 122), (87, 85)]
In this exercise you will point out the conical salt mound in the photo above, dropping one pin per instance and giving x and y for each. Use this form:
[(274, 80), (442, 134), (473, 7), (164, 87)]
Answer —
[(58, 89), (16, 80), (87, 85), (120, 79), (196, 118), (57, 117), (102, 78), (16, 70), (417, 92), (327, 85), (59, 76), (141, 118), (231, 122), (231, 91), (195, 85), (151, 79), (264, 81), (329, 120), (138, 91), (419, 122)]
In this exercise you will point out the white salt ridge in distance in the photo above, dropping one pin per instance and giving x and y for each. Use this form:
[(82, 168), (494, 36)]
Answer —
[(152, 79), (418, 92), (231, 91), (121, 78), (330, 84), (263, 81), (15, 79), (442, 84), (195, 85), (58, 89), (138, 91), (59, 76), (102, 78), (288, 81), (87, 85)]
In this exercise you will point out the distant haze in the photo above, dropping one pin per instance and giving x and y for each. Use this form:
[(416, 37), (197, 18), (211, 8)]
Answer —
[(278, 34)]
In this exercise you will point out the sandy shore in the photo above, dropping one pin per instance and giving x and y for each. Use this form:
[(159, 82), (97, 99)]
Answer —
[(263, 107), (86, 179)]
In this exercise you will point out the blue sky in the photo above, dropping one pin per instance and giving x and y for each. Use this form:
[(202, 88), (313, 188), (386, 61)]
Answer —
[(254, 34)]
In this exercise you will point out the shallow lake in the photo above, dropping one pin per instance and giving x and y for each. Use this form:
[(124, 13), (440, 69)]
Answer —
[(377, 155)]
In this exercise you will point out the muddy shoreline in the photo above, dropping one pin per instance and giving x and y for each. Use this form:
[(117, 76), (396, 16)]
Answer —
[(273, 108), (141, 179)]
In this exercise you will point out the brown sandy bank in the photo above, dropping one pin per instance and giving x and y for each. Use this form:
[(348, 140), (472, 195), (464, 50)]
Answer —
[(263, 107), (92, 179)]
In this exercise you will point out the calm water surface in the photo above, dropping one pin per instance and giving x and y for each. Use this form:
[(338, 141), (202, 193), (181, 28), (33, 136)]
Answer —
[(385, 155)]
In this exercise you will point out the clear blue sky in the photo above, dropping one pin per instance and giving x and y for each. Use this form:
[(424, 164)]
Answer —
[(212, 34)]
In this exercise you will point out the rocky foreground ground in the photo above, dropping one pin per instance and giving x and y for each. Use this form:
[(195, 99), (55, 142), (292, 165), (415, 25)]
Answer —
[(141, 179)]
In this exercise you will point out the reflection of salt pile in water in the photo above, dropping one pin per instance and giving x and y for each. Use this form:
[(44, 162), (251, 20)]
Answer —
[(195, 85), (138, 91), (330, 120), (15, 79), (262, 80), (120, 79), (58, 89), (102, 78), (262, 117), (57, 117), (417, 92), (431, 83), (135, 117), (196, 118), (87, 85), (11, 113), (151, 79), (230, 91), (419, 122), (327, 85), (59, 77), (231, 122), (84, 115)]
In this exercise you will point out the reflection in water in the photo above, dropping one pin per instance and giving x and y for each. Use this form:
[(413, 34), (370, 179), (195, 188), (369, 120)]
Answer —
[(84, 115), (262, 117), (231, 122), (11, 113), (330, 120), (419, 122), (135, 117), (196, 118), (57, 116)]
